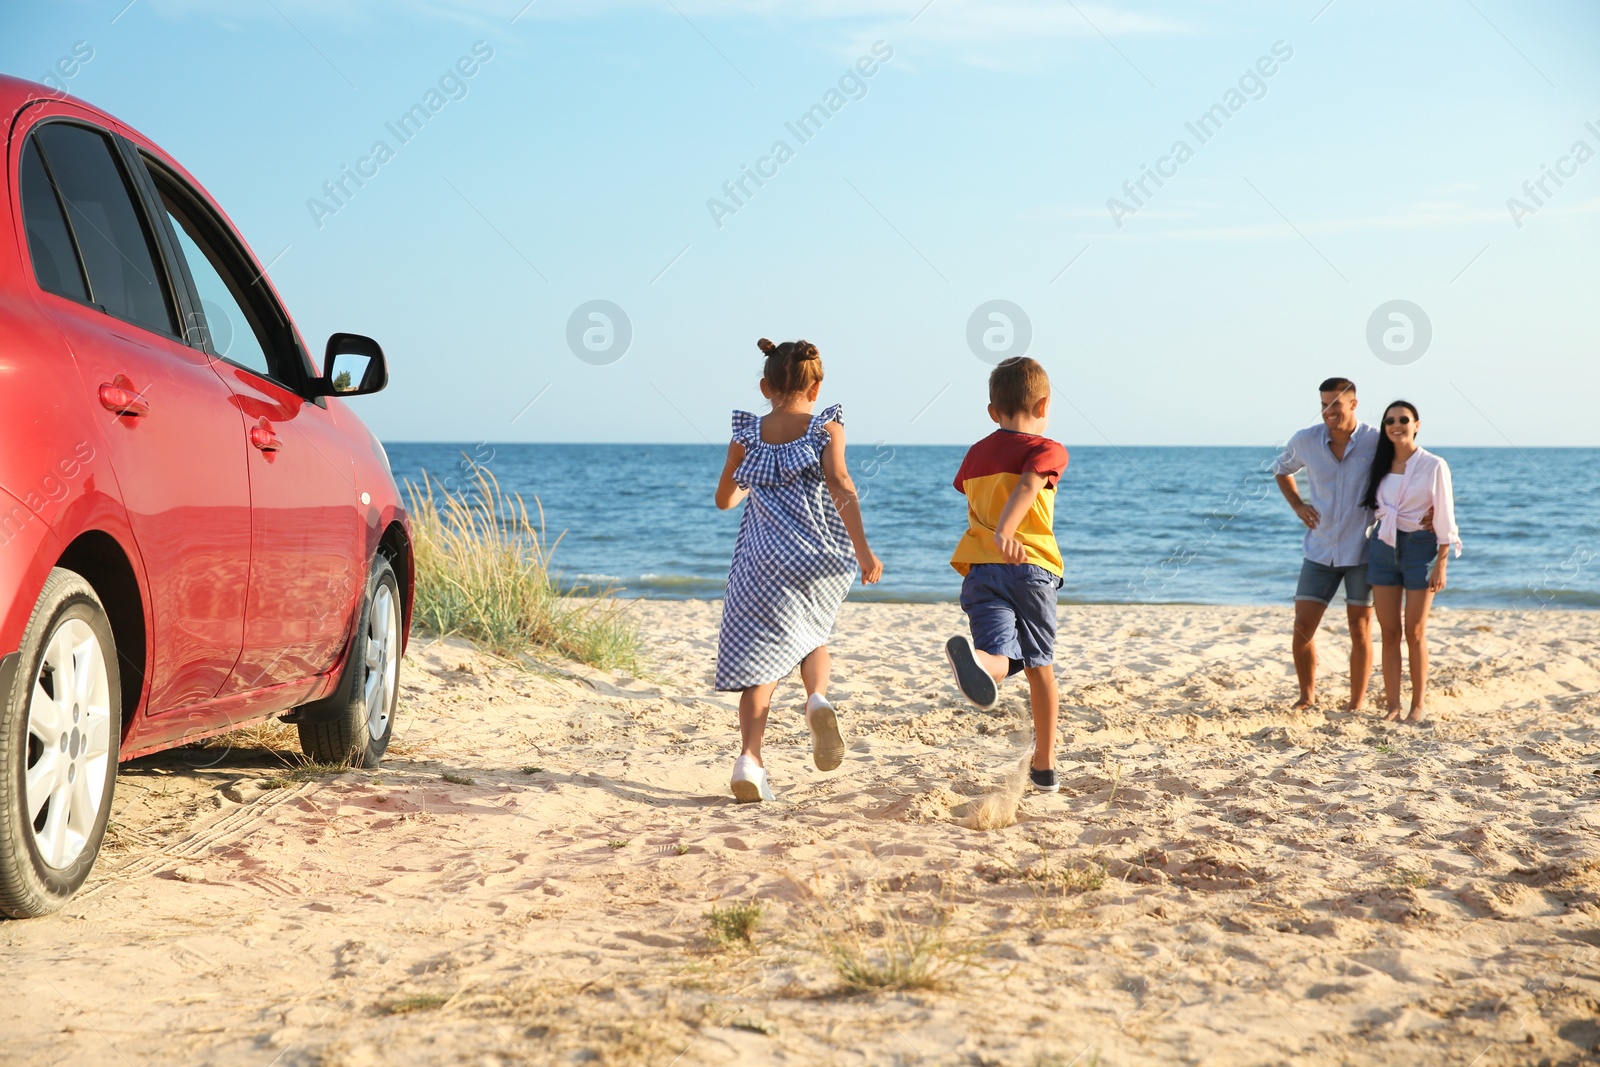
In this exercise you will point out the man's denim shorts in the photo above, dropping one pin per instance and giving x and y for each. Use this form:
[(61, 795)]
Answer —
[(1407, 563), (1319, 582), (1012, 610)]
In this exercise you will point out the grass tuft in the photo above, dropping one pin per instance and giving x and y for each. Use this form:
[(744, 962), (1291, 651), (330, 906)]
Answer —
[(1083, 876), (1404, 877), (593, 1022), (271, 735), (735, 924), (407, 1005), (483, 573), (303, 772), (893, 952)]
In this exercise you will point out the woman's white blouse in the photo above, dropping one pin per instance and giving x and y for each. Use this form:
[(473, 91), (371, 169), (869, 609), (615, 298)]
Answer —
[(1403, 499)]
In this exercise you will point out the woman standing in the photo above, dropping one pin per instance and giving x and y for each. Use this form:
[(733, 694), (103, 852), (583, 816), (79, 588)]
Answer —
[(1406, 482)]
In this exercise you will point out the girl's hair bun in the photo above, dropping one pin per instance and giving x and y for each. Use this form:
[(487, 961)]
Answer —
[(792, 367)]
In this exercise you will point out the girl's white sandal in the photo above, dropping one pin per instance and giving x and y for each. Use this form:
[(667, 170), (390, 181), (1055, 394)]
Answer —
[(749, 782), (827, 743)]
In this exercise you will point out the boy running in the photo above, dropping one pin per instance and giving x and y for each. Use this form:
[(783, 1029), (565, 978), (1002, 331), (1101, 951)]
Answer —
[(1009, 556)]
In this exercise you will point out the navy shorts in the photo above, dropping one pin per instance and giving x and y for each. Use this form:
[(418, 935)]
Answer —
[(1407, 563), (1319, 582), (1012, 610)]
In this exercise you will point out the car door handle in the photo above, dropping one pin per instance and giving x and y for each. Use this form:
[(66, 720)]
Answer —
[(121, 398), (262, 437)]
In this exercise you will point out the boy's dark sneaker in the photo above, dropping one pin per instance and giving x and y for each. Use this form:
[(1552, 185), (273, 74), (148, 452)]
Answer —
[(1044, 781), (973, 681)]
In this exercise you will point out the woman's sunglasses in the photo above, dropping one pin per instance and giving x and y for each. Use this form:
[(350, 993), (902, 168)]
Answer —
[(1403, 420)]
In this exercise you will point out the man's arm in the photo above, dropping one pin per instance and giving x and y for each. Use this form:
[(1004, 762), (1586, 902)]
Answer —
[(1291, 493), (1289, 463)]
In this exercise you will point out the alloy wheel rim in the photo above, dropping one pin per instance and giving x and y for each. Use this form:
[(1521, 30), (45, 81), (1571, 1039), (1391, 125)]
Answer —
[(69, 743), (383, 662)]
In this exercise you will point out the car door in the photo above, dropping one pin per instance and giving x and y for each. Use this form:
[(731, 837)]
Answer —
[(171, 428), (306, 530)]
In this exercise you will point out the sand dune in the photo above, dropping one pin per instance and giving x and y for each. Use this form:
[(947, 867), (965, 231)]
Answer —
[(1220, 881)]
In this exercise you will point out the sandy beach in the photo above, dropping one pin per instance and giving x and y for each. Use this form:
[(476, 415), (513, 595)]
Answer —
[(526, 880)]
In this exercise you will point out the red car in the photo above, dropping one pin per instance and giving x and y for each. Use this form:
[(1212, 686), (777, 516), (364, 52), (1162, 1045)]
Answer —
[(195, 530)]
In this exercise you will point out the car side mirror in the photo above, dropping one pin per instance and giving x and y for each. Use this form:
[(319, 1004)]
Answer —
[(352, 366)]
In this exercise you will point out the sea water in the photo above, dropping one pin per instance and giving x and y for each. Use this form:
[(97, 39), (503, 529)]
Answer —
[(1136, 525)]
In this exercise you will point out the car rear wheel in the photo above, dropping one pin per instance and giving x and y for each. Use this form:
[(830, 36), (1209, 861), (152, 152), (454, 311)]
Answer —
[(60, 732), (361, 722)]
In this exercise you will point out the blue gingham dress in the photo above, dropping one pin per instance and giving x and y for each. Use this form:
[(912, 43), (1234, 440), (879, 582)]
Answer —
[(793, 562)]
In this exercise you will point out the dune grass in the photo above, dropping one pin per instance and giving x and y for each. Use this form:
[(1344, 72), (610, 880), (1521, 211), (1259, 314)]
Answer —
[(734, 925), (270, 735), (888, 950), (483, 572), (417, 1002), (305, 770)]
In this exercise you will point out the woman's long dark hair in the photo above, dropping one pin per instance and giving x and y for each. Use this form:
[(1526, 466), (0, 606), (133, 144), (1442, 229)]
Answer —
[(1383, 459)]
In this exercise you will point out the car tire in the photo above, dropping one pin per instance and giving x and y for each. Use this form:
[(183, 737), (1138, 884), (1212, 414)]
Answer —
[(357, 732), (60, 735)]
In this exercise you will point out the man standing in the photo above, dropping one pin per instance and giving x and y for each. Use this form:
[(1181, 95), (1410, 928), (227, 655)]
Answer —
[(1336, 455)]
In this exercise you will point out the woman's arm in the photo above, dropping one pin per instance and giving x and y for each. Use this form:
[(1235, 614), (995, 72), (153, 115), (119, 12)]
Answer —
[(843, 491), (1444, 525), (1436, 574), (728, 492), (1444, 508)]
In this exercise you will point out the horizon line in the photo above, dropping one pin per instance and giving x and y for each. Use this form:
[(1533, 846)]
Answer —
[(954, 444)]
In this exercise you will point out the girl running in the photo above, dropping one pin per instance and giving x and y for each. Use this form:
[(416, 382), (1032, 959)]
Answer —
[(799, 544)]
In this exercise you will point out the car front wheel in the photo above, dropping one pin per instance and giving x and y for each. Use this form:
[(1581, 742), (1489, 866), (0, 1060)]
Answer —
[(354, 726), (60, 731)]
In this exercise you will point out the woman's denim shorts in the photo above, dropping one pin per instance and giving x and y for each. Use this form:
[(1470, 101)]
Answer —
[(1407, 563)]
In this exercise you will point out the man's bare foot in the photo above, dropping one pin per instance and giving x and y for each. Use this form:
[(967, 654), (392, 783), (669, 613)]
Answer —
[(1395, 715), (1417, 715), (1356, 703), (1304, 703)]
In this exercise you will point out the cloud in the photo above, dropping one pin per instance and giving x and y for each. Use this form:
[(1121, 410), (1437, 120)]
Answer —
[(1420, 216)]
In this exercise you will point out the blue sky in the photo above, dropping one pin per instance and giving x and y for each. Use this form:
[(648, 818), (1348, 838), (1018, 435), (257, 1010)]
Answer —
[(976, 163)]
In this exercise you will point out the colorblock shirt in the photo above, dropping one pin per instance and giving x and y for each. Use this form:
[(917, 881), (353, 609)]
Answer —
[(1335, 488), (988, 475)]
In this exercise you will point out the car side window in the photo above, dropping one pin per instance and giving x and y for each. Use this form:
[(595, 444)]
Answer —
[(118, 255), (242, 323), (55, 260), (229, 331)]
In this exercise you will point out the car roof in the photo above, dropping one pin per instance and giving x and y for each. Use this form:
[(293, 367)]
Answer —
[(16, 93)]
